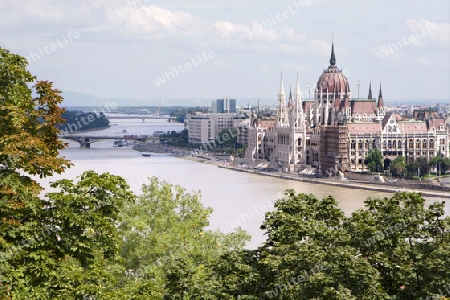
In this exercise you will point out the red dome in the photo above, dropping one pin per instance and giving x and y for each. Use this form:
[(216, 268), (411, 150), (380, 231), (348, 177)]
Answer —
[(332, 80)]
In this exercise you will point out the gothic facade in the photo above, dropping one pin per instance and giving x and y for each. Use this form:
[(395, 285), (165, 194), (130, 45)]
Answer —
[(335, 133)]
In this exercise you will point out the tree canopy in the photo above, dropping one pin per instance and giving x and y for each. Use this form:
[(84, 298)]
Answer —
[(374, 160)]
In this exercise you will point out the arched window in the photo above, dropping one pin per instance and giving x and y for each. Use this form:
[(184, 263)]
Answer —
[(353, 144), (374, 144), (360, 144), (424, 143), (411, 143), (394, 144), (431, 143), (390, 144), (367, 144), (417, 143), (399, 144)]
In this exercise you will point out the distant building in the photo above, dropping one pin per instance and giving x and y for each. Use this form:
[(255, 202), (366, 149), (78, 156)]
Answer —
[(223, 105), (334, 133), (204, 128)]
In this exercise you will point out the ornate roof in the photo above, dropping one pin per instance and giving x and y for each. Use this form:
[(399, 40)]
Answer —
[(362, 107), (332, 79), (363, 128)]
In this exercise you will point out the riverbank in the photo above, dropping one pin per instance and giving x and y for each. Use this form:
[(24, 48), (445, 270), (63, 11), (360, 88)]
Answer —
[(222, 162)]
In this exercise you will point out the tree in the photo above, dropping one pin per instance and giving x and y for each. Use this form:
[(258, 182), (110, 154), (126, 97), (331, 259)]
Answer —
[(29, 145), (419, 167), (167, 250), (440, 164), (408, 244), (307, 253), (398, 166), (374, 160), (394, 247), (57, 245)]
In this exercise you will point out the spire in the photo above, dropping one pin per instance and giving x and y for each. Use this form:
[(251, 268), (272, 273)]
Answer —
[(282, 113), (298, 96), (380, 99), (370, 91), (281, 85), (290, 103), (332, 58)]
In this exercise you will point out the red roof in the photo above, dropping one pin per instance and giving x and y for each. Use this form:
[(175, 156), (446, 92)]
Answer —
[(364, 128), (362, 107), (413, 127), (436, 123)]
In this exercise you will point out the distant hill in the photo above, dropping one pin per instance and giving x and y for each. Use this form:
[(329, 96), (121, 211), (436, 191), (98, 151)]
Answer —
[(72, 99)]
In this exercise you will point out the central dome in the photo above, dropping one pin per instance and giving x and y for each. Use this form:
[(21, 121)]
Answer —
[(332, 79)]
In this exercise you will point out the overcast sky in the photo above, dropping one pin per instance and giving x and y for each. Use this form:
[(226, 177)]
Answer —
[(235, 48)]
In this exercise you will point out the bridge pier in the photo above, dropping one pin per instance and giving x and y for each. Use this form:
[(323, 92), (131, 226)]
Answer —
[(84, 143)]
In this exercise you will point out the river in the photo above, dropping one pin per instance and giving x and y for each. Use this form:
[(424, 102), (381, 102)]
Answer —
[(238, 198)]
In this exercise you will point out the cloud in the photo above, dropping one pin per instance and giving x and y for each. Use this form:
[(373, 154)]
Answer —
[(426, 31)]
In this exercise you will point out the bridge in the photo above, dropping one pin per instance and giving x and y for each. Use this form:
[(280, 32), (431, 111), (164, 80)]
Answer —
[(86, 140), (142, 117)]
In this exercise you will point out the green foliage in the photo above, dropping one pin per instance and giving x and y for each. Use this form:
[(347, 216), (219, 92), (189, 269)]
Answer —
[(179, 139), (181, 112), (395, 248), (440, 164), (80, 121), (398, 166), (374, 160), (419, 167), (307, 254), (167, 250)]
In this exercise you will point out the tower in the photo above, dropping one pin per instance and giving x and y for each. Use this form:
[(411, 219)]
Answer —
[(331, 87), (282, 116), (380, 104), (298, 128)]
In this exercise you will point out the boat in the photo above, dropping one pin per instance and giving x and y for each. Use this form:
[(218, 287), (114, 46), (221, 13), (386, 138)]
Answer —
[(146, 154), (118, 143)]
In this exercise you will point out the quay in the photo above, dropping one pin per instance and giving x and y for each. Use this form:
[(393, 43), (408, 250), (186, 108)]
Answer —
[(428, 190)]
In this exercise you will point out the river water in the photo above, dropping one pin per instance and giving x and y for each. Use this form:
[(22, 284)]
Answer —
[(238, 198)]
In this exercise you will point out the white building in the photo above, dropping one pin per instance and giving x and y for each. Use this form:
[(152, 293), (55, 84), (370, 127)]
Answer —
[(204, 128)]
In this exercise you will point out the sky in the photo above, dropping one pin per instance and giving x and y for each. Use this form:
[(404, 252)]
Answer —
[(199, 49)]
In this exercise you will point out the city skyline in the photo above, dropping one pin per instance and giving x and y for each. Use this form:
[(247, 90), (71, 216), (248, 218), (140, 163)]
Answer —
[(178, 50)]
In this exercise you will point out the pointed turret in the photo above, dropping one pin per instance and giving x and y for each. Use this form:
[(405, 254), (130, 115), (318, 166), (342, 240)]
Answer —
[(370, 91), (333, 57), (380, 99), (345, 103), (298, 95), (290, 103), (281, 92), (282, 116)]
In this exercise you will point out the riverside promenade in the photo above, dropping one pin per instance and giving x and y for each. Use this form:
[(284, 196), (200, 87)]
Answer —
[(209, 158), (343, 183)]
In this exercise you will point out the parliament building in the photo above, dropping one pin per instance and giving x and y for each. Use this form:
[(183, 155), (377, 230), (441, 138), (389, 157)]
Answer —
[(334, 132)]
